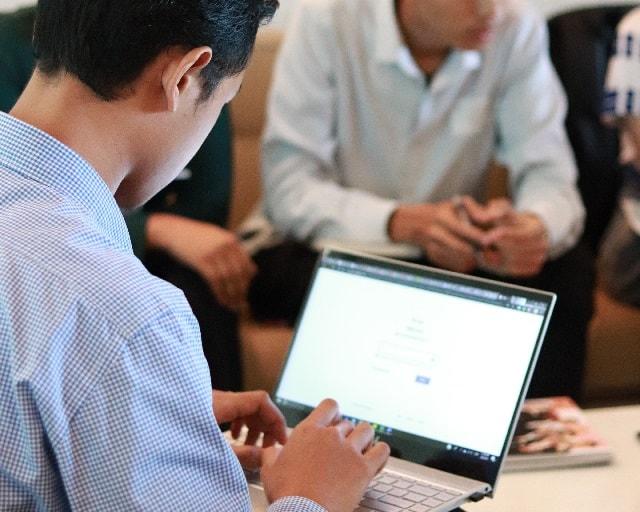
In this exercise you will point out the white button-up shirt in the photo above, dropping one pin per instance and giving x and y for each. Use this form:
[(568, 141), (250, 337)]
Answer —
[(354, 130)]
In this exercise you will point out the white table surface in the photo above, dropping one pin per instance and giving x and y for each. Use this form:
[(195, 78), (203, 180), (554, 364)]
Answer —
[(612, 488)]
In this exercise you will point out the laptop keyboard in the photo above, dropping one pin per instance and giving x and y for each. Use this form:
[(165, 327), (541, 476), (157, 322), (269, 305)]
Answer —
[(394, 493), (387, 492)]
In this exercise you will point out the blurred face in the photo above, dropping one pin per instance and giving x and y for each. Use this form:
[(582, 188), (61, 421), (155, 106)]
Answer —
[(462, 24)]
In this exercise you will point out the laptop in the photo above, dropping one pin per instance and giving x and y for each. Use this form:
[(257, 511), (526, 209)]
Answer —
[(437, 362)]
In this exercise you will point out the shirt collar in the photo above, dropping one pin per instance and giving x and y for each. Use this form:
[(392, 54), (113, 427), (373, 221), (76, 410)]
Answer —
[(391, 49), (388, 37), (35, 155)]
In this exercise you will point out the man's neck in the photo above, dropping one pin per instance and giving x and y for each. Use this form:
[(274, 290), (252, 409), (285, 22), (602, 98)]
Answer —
[(428, 53), (68, 111)]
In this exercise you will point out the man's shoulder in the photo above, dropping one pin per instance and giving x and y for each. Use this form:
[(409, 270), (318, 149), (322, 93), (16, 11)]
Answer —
[(519, 15), (520, 28), (57, 246), (341, 27), (521, 10), (117, 286), (74, 298), (122, 289)]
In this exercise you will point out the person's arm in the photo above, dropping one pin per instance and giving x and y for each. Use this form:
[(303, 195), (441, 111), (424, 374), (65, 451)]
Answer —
[(215, 253), (303, 197), (145, 437), (531, 111)]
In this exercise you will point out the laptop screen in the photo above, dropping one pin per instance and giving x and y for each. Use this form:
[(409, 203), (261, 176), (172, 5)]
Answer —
[(437, 362)]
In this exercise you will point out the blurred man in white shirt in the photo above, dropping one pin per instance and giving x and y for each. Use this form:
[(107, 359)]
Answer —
[(383, 119)]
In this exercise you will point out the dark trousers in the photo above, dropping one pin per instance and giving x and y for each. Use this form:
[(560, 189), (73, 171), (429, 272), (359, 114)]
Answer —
[(285, 272), (218, 325)]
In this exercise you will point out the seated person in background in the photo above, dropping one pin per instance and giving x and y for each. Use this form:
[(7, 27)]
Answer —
[(106, 398), (383, 119), (177, 235), (620, 257)]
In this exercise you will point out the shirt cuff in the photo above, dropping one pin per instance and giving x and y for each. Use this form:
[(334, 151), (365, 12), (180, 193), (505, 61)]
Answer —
[(563, 229), (295, 504), (368, 219)]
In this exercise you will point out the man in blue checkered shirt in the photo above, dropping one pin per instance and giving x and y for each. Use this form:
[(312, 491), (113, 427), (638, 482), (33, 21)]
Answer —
[(104, 391)]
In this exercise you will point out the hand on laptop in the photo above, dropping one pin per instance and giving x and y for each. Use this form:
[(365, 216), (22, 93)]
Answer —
[(256, 411), (326, 460)]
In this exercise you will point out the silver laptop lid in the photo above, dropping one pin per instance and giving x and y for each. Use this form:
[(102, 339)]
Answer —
[(438, 362)]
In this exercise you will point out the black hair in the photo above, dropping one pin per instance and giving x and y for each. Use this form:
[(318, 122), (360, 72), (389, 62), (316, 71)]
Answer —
[(107, 44)]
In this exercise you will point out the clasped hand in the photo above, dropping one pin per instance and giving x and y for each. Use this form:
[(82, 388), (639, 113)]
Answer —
[(463, 235)]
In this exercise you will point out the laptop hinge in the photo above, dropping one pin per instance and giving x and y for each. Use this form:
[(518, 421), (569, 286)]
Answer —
[(486, 492), (477, 496)]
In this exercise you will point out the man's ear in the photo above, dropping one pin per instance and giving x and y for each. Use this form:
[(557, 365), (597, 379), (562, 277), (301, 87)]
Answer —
[(182, 72)]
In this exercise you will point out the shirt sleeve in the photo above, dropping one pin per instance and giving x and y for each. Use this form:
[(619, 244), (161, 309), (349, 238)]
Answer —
[(533, 142), (295, 504), (303, 197), (622, 86), (146, 438)]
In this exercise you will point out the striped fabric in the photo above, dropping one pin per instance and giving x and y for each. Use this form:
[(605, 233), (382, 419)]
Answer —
[(104, 391)]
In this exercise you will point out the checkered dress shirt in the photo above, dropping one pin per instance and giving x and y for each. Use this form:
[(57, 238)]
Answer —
[(105, 400)]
